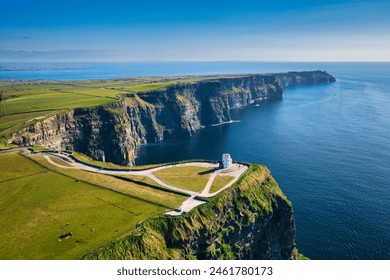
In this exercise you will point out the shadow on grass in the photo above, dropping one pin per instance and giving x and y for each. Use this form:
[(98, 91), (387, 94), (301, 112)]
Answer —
[(207, 171)]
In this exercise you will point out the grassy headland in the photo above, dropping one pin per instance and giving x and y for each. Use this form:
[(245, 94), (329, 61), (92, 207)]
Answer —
[(218, 229)]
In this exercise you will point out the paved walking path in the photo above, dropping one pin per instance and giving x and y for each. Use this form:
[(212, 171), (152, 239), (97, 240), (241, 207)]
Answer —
[(186, 206)]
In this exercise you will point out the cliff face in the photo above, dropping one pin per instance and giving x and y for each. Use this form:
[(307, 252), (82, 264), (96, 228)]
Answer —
[(251, 220), (184, 108), (112, 132), (292, 79)]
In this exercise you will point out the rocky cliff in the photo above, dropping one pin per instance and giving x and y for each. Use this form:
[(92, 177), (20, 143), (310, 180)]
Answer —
[(112, 132), (250, 220), (292, 79)]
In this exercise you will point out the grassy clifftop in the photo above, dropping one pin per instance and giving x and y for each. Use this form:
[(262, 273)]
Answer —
[(251, 220)]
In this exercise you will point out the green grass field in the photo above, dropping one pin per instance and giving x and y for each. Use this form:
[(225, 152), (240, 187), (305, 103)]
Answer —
[(38, 149), (219, 182), (14, 166), (193, 178), (149, 86), (37, 204)]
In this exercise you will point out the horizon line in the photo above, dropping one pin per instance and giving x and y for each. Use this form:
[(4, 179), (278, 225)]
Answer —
[(205, 61)]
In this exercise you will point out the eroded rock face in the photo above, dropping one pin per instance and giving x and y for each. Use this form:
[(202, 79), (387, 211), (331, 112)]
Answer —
[(112, 132)]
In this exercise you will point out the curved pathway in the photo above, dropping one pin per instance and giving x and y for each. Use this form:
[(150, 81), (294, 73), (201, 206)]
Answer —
[(235, 171)]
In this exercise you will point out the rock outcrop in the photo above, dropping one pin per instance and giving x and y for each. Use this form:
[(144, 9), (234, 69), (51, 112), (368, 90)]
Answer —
[(250, 220), (112, 132)]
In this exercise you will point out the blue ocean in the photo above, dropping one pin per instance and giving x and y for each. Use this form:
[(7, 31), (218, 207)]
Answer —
[(327, 145)]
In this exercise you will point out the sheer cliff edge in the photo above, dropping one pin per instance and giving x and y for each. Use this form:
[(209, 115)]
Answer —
[(112, 132)]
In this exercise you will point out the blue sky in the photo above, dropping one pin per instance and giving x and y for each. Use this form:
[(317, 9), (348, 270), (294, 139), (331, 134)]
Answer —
[(119, 30)]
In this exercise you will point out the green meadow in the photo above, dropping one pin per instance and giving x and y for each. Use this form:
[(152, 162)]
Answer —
[(219, 182), (40, 201), (193, 178)]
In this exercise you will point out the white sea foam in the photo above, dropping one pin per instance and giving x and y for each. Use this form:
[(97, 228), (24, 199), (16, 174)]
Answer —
[(232, 121)]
